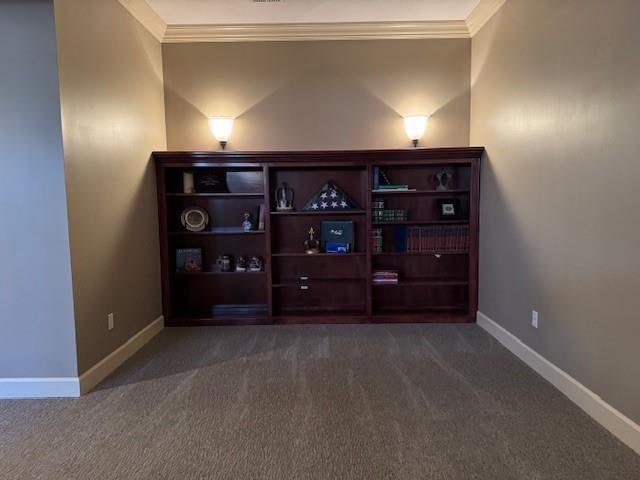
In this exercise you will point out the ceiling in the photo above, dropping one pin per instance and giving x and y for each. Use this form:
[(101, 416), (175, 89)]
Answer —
[(180, 21), (265, 12)]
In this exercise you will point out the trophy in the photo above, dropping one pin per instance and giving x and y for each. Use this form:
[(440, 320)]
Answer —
[(223, 263), (284, 198), (311, 245), (256, 264), (241, 264), (246, 224), (444, 180)]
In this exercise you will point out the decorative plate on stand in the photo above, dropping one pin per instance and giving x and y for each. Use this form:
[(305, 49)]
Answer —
[(194, 219)]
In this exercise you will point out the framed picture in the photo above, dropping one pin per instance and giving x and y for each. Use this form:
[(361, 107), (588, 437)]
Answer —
[(188, 259), (211, 181), (338, 234), (449, 209)]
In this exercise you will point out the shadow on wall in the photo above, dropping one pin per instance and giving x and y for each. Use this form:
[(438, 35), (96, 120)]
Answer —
[(507, 265), (322, 113)]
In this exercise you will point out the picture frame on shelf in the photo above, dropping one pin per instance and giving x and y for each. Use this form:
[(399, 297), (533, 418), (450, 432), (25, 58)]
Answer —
[(449, 209), (188, 259), (211, 182)]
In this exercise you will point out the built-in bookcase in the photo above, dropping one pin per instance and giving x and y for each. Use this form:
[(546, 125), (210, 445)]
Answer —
[(433, 258)]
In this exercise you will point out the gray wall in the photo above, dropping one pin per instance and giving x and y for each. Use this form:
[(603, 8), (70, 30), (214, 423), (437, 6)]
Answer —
[(317, 95), (556, 102), (113, 118), (36, 303)]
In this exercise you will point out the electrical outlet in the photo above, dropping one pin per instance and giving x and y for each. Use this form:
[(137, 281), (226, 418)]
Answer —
[(534, 319), (110, 324)]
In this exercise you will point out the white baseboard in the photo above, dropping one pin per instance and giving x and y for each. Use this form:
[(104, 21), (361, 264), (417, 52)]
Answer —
[(39, 387), (106, 366), (616, 422), (76, 386)]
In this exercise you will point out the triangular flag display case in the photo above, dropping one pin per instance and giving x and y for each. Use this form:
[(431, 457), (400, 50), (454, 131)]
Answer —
[(412, 218), (330, 198)]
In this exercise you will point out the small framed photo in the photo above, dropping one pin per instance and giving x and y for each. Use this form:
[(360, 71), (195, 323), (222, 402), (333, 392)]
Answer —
[(449, 209), (188, 259)]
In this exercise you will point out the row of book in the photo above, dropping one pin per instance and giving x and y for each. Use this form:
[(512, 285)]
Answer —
[(381, 182), (376, 240), (396, 215), (424, 239), (440, 238), (386, 276), (380, 214)]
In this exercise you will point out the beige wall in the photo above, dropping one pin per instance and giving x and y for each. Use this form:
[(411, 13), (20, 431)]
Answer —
[(317, 95), (113, 118), (556, 102)]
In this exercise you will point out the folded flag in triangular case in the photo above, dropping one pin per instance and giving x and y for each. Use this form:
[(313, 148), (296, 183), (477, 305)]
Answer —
[(330, 197)]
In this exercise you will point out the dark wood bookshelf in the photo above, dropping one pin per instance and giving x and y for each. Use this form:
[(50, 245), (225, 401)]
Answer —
[(435, 285)]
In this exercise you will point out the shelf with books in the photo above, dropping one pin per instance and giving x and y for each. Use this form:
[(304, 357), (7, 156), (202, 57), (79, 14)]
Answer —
[(429, 253), (419, 192), (422, 222)]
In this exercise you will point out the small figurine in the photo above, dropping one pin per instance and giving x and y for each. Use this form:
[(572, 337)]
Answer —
[(444, 180), (223, 263), (311, 246), (256, 264), (246, 224), (284, 198), (241, 264), (191, 266)]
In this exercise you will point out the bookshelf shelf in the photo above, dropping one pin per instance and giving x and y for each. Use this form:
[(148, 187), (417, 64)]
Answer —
[(424, 282), (223, 274), (323, 213), (217, 195), (321, 255), (437, 284), (423, 222), (430, 254), (418, 192), (221, 231)]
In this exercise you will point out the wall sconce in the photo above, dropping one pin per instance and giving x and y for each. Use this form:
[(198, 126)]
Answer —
[(415, 125), (221, 128)]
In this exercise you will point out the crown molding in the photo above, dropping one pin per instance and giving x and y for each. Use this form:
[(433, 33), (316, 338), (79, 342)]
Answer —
[(480, 15), (280, 32), (315, 31), (141, 11)]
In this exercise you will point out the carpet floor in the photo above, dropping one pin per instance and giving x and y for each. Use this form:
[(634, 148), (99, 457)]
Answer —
[(314, 402)]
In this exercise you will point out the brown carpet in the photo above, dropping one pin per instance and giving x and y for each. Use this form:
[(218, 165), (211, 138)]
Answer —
[(314, 402)]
